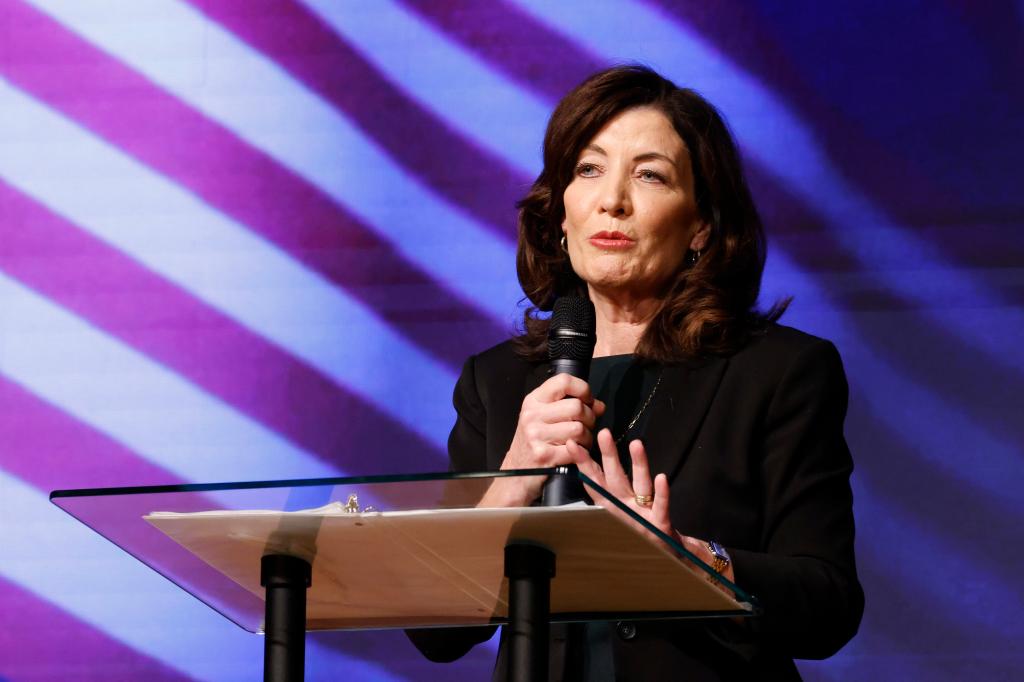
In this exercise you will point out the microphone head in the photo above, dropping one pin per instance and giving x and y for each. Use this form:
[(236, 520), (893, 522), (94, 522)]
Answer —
[(572, 334)]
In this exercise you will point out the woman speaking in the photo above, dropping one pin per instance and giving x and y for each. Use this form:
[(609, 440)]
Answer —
[(721, 427)]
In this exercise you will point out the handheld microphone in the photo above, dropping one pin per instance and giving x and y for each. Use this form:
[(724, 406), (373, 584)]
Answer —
[(571, 339)]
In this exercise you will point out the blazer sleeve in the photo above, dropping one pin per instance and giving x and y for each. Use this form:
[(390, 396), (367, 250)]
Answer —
[(467, 442), (467, 445), (806, 578)]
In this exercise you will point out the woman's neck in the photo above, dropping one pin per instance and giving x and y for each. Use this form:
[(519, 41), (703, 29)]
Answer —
[(621, 321)]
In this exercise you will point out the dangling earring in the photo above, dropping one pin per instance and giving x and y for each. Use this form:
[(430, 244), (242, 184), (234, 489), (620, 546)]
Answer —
[(564, 243), (694, 256)]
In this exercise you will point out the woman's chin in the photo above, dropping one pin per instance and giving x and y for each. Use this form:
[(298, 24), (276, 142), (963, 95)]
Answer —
[(616, 284)]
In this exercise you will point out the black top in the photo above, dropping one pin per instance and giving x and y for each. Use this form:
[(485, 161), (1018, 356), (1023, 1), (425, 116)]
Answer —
[(624, 386), (627, 388)]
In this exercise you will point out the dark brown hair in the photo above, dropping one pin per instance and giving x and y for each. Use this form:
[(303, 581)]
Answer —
[(708, 307)]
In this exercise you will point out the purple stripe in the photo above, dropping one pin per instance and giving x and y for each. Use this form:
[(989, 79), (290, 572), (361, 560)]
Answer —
[(525, 50), (259, 379), (480, 182), (39, 641), (232, 176)]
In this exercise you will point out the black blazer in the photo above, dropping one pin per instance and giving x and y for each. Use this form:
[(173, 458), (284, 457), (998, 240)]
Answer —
[(754, 450)]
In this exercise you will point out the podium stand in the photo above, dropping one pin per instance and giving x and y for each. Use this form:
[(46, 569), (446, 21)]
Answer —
[(424, 550)]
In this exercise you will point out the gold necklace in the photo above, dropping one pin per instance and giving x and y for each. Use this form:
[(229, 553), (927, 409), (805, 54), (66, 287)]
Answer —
[(643, 407)]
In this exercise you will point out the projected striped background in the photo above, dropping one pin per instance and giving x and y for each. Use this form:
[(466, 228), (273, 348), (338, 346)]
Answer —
[(250, 239)]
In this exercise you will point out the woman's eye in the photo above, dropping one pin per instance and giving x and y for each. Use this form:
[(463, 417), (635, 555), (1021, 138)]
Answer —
[(648, 175), (586, 170)]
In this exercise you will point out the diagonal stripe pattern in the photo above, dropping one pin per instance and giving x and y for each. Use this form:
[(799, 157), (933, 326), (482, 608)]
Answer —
[(257, 239)]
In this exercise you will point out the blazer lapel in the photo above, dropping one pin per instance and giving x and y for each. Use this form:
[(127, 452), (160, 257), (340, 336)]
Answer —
[(683, 400)]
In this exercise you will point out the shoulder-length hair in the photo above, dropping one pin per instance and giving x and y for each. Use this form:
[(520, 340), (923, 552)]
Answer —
[(708, 306)]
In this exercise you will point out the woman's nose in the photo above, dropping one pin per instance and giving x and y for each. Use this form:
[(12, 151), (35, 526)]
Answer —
[(614, 198)]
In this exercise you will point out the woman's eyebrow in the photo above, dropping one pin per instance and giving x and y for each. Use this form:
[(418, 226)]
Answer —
[(646, 156), (650, 156)]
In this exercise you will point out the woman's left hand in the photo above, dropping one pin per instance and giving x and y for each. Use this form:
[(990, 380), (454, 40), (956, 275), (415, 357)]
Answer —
[(654, 494)]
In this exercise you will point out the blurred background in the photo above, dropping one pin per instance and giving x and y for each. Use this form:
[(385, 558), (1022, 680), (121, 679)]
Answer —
[(255, 239)]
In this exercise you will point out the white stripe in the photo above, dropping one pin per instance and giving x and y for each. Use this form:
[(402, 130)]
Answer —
[(448, 80), (112, 592), (256, 99), (769, 132), (174, 234)]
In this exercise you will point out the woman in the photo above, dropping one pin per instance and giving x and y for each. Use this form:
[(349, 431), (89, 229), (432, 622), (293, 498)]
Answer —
[(642, 207)]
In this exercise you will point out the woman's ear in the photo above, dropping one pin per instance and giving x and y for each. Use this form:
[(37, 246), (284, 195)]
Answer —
[(700, 237)]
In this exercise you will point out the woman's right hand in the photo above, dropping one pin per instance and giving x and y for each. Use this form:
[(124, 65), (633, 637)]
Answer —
[(559, 410)]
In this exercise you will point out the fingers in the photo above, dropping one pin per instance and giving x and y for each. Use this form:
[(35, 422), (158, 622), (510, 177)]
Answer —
[(588, 467), (581, 457), (618, 483), (563, 386), (641, 471), (659, 508), (614, 476), (643, 486), (569, 409), (560, 411), (541, 456), (543, 434)]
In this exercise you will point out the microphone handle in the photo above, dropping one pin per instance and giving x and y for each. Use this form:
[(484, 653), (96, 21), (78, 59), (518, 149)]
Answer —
[(564, 487), (577, 368)]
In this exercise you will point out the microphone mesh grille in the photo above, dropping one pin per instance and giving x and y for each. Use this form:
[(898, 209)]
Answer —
[(572, 332)]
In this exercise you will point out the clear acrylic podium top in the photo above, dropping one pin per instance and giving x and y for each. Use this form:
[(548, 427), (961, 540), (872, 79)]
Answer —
[(414, 550)]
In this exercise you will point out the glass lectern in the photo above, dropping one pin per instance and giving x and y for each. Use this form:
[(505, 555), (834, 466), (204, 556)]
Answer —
[(422, 550)]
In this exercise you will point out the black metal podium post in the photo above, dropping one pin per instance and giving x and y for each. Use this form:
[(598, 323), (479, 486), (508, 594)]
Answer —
[(286, 579), (529, 569)]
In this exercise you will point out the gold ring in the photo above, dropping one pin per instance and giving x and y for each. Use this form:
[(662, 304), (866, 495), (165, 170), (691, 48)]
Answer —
[(644, 500)]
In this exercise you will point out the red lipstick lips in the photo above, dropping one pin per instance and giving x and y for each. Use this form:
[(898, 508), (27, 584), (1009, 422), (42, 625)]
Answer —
[(612, 240)]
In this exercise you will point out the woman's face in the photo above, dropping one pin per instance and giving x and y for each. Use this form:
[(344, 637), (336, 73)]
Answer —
[(630, 213)]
